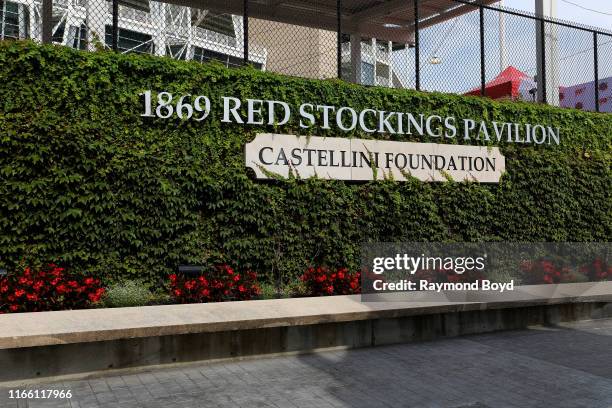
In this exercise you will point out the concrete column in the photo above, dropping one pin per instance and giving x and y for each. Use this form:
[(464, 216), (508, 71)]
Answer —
[(373, 44), (390, 54), (72, 33), (189, 51), (158, 16), (356, 58), (238, 25), (96, 12), (550, 69), (34, 23)]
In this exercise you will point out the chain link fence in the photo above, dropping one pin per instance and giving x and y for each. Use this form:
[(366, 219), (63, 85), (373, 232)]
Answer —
[(453, 46), (603, 46)]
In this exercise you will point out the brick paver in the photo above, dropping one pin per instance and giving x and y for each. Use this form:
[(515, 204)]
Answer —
[(558, 367)]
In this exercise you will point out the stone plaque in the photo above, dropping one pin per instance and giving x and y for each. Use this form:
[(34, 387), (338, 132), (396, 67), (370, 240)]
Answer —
[(361, 159)]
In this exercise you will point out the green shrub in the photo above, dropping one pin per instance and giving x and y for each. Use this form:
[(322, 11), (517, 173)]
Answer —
[(127, 294), (291, 289), (88, 182), (160, 296), (269, 291)]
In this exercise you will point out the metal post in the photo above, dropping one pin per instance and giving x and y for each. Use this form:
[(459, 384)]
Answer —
[(417, 48), (503, 52), (47, 23), (115, 25), (339, 39), (245, 31), (596, 71), (542, 80), (482, 54)]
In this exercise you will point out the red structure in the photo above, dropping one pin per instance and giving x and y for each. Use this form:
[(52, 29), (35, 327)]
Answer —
[(510, 83)]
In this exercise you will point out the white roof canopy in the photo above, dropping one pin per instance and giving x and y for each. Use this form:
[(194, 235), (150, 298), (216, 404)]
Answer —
[(391, 20)]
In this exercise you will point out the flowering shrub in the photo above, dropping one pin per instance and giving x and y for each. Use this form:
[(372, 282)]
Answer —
[(221, 284), (544, 271), (597, 270), (322, 281), (48, 288)]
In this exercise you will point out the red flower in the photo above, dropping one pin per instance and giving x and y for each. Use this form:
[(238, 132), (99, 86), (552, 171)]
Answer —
[(56, 272), (19, 292), (61, 289), (321, 281), (222, 283), (96, 296), (548, 266)]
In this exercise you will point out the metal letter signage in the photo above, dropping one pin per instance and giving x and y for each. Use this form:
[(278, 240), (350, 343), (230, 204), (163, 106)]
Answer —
[(360, 159), (265, 112)]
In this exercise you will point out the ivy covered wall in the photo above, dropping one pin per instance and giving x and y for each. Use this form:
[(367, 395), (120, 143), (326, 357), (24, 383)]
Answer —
[(89, 183)]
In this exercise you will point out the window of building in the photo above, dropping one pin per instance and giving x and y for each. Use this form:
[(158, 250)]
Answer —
[(367, 73), (130, 41), (177, 51), (203, 55), (77, 37), (58, 34), (9, 20)]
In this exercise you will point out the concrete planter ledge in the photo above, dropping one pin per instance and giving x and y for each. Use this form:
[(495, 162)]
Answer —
[(38, 344), (77, 326)]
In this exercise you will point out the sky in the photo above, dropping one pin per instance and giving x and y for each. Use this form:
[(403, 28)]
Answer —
[(570, 12)]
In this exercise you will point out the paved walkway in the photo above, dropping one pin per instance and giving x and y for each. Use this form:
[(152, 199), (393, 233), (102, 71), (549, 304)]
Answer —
[(568, 366)]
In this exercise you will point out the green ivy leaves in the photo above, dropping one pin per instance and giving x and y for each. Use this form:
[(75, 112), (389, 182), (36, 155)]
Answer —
[(86, 181)]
